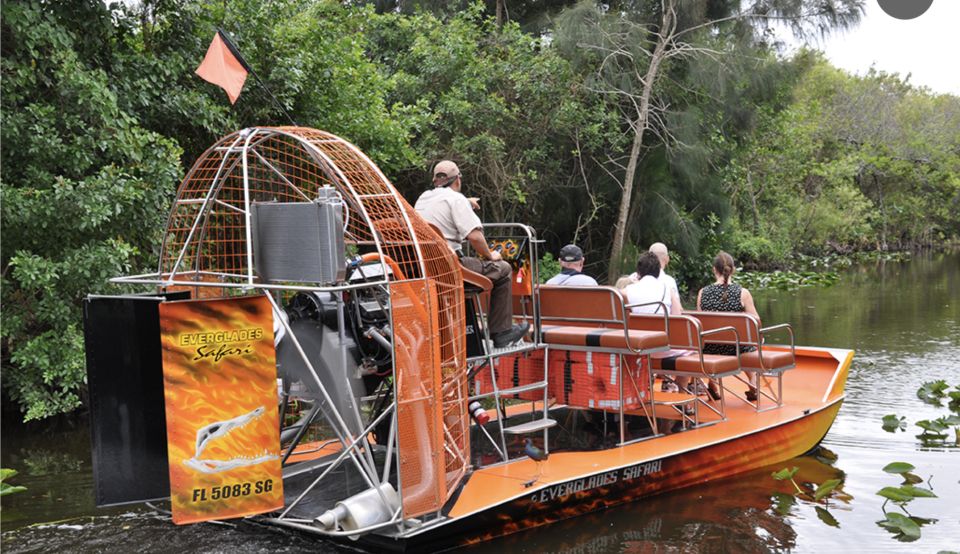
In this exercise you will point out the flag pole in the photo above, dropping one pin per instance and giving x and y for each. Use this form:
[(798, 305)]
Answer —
[(236, 52)]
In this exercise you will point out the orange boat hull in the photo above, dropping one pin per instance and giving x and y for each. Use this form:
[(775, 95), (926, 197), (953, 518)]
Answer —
[(495, 501)]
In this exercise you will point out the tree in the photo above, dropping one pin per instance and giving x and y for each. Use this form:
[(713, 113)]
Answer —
[(85, 192), (630, 51)]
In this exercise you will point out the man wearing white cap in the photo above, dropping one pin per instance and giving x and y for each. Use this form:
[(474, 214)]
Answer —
[(452, 213)]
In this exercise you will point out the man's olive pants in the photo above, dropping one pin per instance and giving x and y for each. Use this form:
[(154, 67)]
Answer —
[(500, 317)]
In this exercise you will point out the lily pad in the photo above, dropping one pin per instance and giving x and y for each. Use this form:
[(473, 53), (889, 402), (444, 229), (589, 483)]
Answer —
[(891, 423), (918, 492), (933, 427), (826, 517), (901, 523), (897, 494), (785, 473), (6, 489), (782, 502), (899, 467), (932, 391), (825, 489)]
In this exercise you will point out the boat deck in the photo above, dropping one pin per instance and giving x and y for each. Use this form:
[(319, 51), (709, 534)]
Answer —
[(815, 385)]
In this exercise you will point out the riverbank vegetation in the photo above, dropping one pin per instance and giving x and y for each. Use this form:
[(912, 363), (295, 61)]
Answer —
[(613, 125)]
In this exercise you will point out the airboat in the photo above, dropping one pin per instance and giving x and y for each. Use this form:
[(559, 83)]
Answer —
[(311, 355)]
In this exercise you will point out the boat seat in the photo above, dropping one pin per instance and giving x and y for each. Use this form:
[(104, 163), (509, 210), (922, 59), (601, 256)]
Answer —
[(774, 361), (743, 330), (713, 365), (687, 334), (477, 281), (602, 337), (594, 319)]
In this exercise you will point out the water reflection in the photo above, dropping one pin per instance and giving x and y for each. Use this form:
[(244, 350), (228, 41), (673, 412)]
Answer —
[(743, 514)]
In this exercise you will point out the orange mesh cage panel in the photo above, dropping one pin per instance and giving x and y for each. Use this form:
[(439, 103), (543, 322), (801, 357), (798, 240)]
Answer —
[(207, 241)]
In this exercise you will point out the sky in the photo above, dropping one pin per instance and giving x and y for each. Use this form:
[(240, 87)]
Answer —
[(927, 48)]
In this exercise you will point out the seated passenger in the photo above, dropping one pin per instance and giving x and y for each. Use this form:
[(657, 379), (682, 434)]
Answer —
[(452, 213), (724, 296), (647, 287), (660, 249), (571, 260)]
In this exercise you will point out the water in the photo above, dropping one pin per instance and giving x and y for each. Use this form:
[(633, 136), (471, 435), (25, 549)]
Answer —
[(903, 319)]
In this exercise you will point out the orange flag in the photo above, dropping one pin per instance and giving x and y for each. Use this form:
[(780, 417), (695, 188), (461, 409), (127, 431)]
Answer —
[(223, 66)]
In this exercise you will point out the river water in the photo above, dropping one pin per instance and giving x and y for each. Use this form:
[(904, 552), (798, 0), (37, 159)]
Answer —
[(903, 320)]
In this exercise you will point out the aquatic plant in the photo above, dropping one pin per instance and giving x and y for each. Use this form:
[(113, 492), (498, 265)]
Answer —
[(7, 488), (932, 392), (817, 493), (906, 527), (786, 280), (891, 423)]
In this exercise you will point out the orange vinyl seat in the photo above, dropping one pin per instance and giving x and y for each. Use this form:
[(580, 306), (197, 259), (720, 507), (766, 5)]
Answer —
[(583, 318), (603, 337), (743, 330), (712, 364)]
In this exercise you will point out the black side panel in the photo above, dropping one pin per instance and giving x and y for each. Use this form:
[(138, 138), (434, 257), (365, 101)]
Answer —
[(125, 378)]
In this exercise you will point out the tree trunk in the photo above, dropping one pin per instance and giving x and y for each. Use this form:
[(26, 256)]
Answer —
[(501, 13), (665, 36)]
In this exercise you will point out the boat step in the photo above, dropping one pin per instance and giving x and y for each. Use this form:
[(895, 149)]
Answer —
[(530, 426)]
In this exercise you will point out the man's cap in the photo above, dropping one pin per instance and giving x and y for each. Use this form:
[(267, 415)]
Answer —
[(446, 168), (571, 253)]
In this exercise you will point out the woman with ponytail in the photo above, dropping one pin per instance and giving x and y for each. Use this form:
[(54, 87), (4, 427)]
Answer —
[(724, 296)]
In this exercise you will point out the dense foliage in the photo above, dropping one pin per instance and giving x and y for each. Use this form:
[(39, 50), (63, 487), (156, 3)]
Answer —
[(766, 156)]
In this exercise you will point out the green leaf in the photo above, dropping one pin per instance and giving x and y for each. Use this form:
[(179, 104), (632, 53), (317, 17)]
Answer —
[(785, 474), (895, 494), (6, 489), (917, 492), (826, 517), (898, 467), (891, 423), (6, 473), (935, 426), (783, 502), (825, 489), (901, 523)]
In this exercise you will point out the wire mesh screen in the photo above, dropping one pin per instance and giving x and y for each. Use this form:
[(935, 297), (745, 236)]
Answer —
[(207, 240)]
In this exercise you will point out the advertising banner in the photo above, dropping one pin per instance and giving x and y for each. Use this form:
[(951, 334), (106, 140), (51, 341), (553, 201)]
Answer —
[(220, 392)]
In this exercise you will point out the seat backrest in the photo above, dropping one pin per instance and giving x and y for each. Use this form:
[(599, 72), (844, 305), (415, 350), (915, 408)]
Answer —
[(581, 305), (747, 326), (683, 330)]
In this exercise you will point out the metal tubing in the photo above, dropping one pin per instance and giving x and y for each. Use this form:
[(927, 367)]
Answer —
[(346, 452), (391, 438), (301, 431), (326, 396), (203, 208)]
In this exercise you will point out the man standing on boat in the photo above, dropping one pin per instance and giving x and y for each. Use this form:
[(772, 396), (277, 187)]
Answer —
[(571, 260), (452, 213)]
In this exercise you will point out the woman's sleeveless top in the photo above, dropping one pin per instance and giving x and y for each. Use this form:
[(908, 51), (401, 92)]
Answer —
[(712, 300)]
